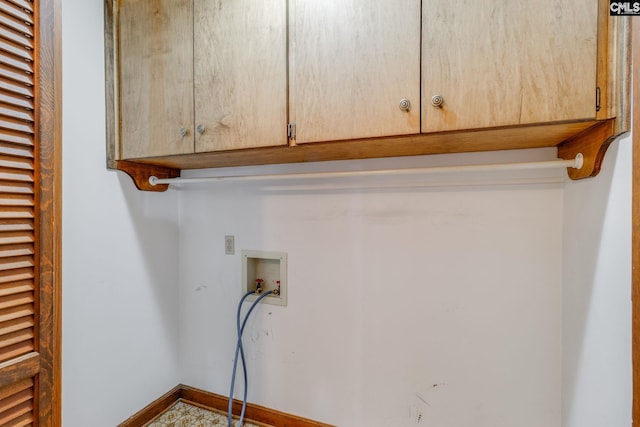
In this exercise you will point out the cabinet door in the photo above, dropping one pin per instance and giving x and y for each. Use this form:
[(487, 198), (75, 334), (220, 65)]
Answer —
[(156, 77), (240, 74), (352, 62), (498, 63)]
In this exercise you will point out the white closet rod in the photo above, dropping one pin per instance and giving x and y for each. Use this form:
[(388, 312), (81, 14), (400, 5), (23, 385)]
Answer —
[(552, 164)]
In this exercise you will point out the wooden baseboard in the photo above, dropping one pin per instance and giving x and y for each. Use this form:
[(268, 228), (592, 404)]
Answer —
[(153, 409), (220, 403)]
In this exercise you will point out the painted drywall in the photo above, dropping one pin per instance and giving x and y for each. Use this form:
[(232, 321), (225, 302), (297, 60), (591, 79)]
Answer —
[(405, 298), (597, 295), (119, 253), (407, 295)]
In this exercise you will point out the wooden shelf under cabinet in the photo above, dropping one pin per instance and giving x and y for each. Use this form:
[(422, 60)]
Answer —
[(591, 138)]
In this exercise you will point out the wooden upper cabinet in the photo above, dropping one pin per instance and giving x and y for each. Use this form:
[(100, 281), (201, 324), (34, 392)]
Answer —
[(496, 63), (156, 77), (240, 74), (201, 75), (217, 83), (352, 62)]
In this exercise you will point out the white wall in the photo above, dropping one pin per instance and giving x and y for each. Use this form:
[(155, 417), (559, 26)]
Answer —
[(119, 254), (449, 294), (440, 299), (597, 295)]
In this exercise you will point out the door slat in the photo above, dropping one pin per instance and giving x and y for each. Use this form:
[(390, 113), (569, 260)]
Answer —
[(20, 56), (16, 275), (16, 287), (15, 325), (16, 312), (17, 12), (16, 337), (16, 415), (16, 300), (15, 350), (24, 4), (16, 399), (6, 392), (9, 251)]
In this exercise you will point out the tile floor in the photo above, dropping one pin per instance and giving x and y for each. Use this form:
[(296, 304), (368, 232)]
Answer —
[(184, 415)]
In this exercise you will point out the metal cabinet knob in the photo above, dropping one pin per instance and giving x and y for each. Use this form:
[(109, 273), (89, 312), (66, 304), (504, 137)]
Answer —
[(183, 132), (437, 100), (201, 129), (405, 105)]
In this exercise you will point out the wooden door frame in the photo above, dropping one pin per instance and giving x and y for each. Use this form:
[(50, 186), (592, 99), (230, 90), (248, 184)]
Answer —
[(49, 203), (635, 134)]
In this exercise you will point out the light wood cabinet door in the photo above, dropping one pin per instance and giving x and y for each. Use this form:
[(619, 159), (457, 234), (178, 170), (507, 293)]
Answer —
[(351, 64), (240, 53), (156, 77), (497, 63)]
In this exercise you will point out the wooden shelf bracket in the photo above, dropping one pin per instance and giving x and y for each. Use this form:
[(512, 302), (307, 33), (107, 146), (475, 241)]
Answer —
[(140, 173), (593, 144)]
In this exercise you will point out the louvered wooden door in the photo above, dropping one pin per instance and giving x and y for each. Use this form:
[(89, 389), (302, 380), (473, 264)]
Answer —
[(29, 214)]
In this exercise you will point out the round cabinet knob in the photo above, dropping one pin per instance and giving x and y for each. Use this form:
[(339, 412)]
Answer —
[(201, 129), (183, 132), (437, 100), (405, 105)]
